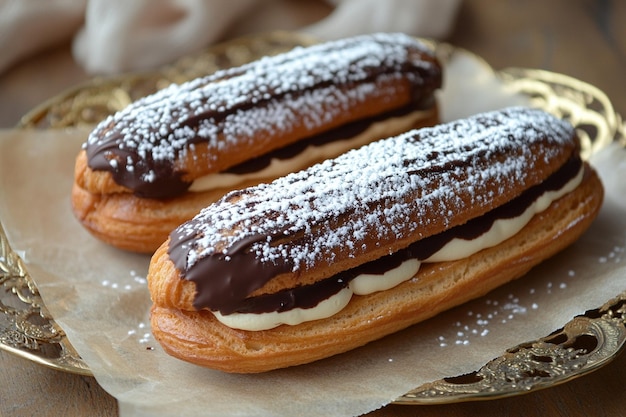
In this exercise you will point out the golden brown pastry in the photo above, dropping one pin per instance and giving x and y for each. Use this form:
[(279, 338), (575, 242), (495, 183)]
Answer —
[(350, 250), (154, 165)]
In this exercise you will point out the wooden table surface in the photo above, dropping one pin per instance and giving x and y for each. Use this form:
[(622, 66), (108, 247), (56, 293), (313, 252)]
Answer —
[(582, 38)]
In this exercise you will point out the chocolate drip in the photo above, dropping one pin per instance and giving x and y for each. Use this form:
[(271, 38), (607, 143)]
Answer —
[(171, 121), (216, 277), (306, 296), (210, 293), (343, 132), (169, 183), (474, 228)]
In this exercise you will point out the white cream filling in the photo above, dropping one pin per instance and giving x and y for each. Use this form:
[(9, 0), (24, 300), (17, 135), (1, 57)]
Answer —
[(368, 283), (364, 284), (264, 321), (502, 229), (311, 154)]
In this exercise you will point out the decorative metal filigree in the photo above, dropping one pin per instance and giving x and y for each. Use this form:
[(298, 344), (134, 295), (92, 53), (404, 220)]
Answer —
[(584, 344), (585, 106), (26, 327), (588, 341)]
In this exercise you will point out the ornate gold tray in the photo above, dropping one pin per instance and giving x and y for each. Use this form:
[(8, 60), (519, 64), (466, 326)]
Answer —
[(584, 344)]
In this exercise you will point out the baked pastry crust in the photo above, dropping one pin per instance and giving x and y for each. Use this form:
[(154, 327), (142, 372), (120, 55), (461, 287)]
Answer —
[(368, 203), (464, 170), (198, 337), (132, 178)]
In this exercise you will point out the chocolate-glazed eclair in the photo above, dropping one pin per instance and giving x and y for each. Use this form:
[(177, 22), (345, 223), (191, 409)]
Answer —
[(155, 164), (352, 249)]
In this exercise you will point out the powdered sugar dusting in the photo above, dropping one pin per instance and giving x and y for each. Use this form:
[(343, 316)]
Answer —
[(373, 188), (224, 108)]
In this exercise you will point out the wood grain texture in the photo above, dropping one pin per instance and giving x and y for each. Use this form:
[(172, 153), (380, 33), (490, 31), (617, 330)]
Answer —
[(29, 389), (585, 39)]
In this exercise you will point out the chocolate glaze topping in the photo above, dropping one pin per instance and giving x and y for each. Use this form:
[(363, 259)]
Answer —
[(342, 132), (143, 144), (372, 189), (308, 296)]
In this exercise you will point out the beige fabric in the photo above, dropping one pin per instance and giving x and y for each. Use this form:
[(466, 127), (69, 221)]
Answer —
[(30, 26), (110, 36)]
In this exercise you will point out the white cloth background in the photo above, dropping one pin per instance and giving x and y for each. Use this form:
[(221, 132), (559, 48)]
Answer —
[(110, 36)]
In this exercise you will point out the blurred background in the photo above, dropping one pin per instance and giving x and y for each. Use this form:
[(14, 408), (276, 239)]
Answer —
[(585, 39), (45, 52)]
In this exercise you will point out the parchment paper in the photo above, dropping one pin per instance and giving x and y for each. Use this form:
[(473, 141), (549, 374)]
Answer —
[(98, 294)]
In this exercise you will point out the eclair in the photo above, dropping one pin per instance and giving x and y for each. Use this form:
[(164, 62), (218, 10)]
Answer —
[(150, 167), (352, 249)]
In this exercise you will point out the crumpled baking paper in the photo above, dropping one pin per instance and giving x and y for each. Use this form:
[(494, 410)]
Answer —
[(98, 294)]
